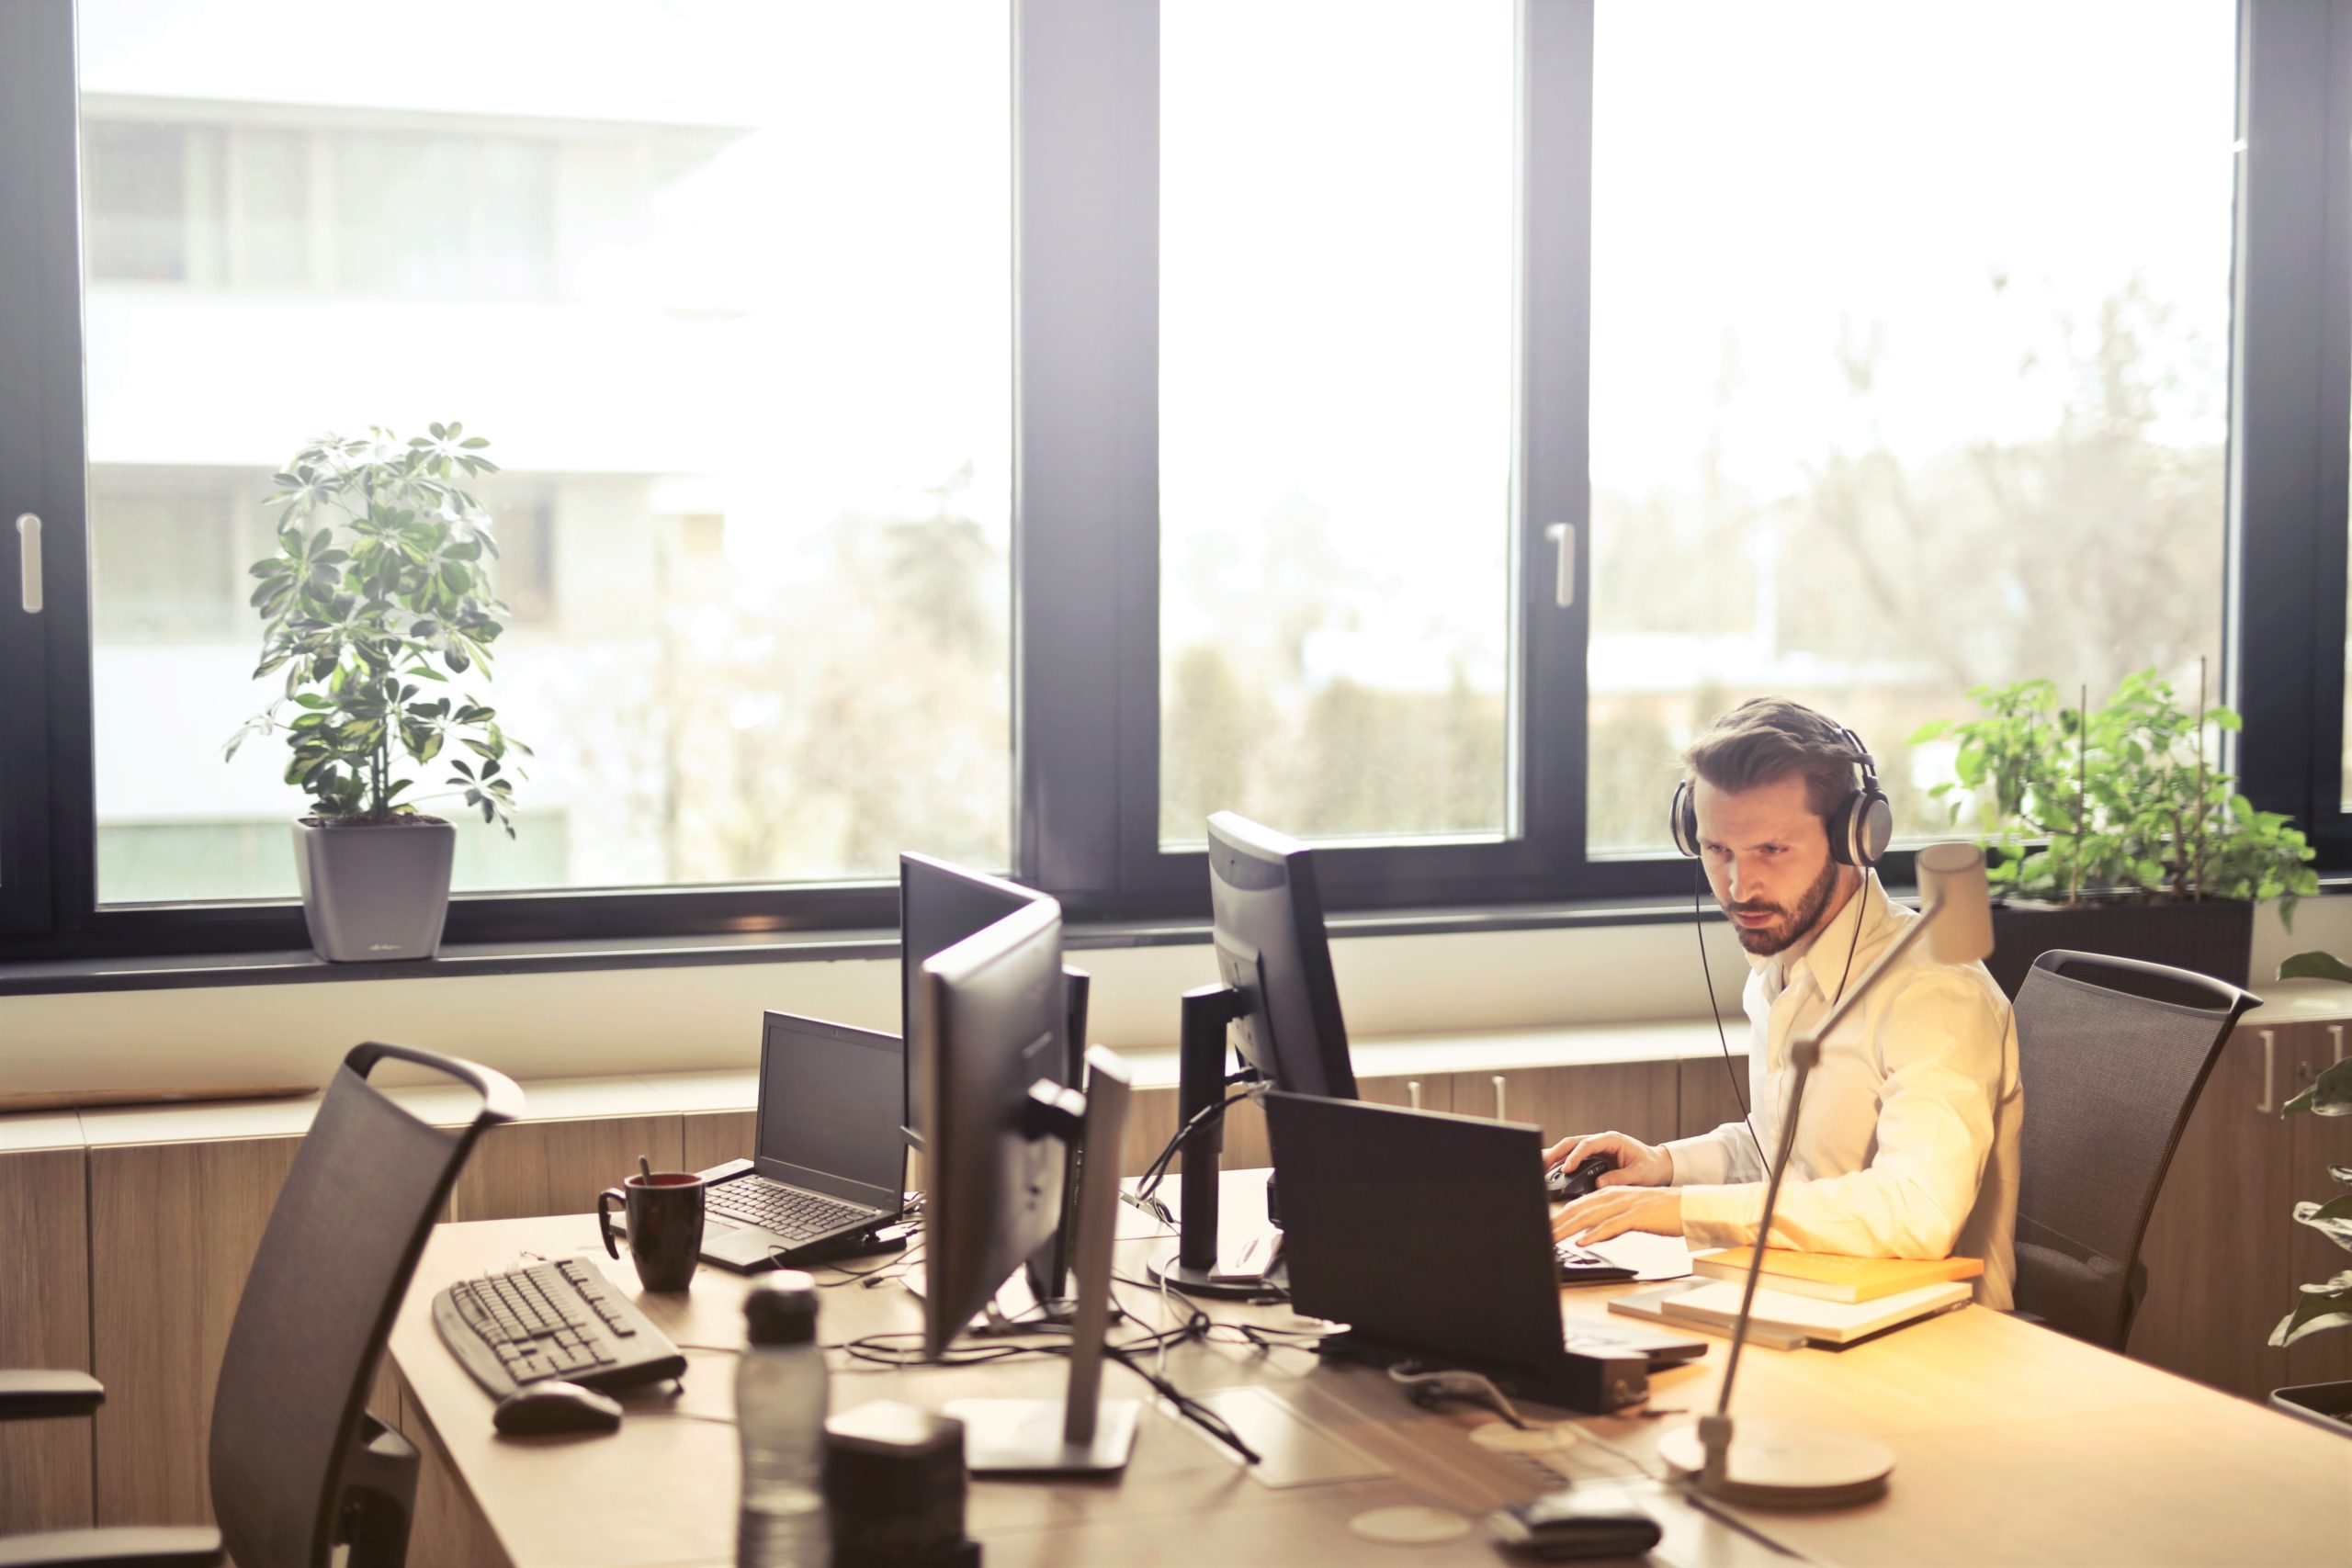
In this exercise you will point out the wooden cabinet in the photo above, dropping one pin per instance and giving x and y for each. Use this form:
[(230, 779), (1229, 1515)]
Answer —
[(528, 1169), (173, 1228), (45, 1477), (1635, 1098), (2318, 1141), (1708, 1098), (2217, 1245)]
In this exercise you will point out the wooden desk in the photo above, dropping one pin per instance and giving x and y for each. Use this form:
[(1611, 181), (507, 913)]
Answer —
[(2015, 1444)]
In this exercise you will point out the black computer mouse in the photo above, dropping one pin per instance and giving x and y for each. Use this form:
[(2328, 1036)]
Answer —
[(1562, 1185), (546, 1407)]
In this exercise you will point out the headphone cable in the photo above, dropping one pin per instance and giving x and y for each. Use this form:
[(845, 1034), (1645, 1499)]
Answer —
[(1698, 928)]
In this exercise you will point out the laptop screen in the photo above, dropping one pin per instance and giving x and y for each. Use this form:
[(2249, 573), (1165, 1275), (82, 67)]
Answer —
[(829, 1109)]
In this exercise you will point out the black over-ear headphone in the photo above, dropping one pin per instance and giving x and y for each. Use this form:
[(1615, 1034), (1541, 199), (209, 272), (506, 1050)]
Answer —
[(1859, 826)]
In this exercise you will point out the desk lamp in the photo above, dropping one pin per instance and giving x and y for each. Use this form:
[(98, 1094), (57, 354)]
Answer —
[(1781, 1463)]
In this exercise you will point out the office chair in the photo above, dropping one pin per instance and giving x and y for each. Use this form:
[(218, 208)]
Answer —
[(2110, 1073), (298, 1465)]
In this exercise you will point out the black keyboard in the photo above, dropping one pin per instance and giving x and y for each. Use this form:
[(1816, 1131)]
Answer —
[(787, 1211), (551, 1320), (1582, 1265)]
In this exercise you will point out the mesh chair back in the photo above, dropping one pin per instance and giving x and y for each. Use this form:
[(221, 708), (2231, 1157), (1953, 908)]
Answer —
[(367, 1186), (2112, 1054)]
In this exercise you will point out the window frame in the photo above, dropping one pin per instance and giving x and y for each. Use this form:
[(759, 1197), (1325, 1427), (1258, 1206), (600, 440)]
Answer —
[(2290, 409), (1084, 655)]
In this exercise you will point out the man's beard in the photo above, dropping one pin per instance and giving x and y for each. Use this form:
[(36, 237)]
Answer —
[(1766, 941)]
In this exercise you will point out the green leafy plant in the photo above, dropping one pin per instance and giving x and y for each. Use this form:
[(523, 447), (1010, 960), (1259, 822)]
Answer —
[(379, 591), (2326, 1303), (2116, 800)]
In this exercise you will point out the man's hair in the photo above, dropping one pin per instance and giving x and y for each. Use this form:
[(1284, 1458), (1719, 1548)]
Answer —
[(1765, 740)]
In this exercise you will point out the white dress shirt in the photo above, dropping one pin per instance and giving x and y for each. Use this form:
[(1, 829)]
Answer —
[(1907, 1142)]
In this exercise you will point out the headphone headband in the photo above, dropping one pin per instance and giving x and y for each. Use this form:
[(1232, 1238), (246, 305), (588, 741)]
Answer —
[(1859, 826)]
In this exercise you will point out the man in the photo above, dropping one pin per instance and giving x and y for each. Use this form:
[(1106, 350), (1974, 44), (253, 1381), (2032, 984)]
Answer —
[(1907, 1142)]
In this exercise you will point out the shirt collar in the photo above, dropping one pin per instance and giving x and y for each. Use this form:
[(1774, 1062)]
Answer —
[(1836, 940)]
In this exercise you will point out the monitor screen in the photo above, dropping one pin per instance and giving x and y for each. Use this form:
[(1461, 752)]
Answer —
[(829, 1109), (1267, 925), (939, 905)]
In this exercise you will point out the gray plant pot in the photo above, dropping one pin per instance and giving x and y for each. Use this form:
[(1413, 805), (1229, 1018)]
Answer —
[(377, 891), (2327, 1405)]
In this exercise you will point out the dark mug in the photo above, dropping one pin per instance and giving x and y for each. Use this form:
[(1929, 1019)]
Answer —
[(665, 1212)]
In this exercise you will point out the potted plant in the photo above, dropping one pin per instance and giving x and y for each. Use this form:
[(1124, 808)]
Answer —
[(378, 594), (2325, 1304), (2108, 830)]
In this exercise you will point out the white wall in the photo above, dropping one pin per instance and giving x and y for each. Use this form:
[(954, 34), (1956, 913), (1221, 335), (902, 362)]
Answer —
[(598, 1023)]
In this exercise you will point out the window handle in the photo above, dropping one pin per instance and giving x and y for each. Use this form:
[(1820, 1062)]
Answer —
[(1499, 1101), (1564, 589), (29, 556), (1413, 1092), (2268, 1104), (2336, 1033)]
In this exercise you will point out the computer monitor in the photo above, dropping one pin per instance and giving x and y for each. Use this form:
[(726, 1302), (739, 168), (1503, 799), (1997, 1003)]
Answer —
[(1266, 924), (1279, 1009), (997, 1122), (940, 904)]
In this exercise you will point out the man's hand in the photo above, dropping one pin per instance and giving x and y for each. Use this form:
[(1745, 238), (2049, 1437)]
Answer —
[(1638, 1165), (1600, 1215)]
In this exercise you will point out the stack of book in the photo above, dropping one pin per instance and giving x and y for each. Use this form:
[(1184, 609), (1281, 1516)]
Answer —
[(1808, 1298)]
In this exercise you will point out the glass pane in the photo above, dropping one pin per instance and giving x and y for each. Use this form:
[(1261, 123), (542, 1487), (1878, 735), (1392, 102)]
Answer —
[(725, 284), (1909, 365), (1335, 394)]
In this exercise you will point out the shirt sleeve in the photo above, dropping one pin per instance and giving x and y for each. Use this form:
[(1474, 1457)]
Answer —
[(1942, 1041), (1727, 1154)]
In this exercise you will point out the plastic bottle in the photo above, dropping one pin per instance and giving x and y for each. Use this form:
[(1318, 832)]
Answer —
[(780, 1418)]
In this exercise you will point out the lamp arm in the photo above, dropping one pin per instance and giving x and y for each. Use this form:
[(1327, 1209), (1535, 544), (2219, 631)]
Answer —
[(1809, 1042), (1805, 1054)]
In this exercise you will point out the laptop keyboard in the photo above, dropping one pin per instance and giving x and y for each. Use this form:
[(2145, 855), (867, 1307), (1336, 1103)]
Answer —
[(1581, 1265), (787, 1211)]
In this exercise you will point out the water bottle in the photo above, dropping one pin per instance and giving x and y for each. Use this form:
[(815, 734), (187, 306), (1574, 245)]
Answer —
[(780, 1418)]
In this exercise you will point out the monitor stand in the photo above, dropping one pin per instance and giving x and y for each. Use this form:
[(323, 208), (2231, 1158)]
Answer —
[(1191, 1265), (1083, 1433)]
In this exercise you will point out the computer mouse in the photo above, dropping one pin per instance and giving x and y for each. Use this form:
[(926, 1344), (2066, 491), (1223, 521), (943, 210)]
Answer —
[(1562, 1185), (546, 1407)]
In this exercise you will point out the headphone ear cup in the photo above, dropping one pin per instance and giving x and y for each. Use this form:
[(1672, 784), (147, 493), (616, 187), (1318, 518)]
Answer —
[(1682, 820), (1873, 821)]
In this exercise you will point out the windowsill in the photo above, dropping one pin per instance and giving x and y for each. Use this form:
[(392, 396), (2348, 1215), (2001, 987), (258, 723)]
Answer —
[(61, 976), (64, 977)]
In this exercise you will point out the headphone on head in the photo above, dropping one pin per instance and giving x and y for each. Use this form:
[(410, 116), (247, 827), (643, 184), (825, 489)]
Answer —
[(1859, 826)]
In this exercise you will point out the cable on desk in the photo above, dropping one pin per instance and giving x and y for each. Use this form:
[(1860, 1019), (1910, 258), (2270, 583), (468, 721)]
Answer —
[(887, 1348), (1154, 1172)]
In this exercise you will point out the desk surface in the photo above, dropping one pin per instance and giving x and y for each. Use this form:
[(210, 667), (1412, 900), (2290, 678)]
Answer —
[(2014, 1444)]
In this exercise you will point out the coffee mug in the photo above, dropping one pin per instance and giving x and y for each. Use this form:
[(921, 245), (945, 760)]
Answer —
[(665, 1212)]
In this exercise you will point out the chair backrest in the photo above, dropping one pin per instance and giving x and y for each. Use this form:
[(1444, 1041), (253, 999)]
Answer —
[(2111, 1053), (367, 1186)]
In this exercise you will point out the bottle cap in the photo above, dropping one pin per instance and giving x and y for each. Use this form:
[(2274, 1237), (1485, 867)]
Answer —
[(781, 1310)]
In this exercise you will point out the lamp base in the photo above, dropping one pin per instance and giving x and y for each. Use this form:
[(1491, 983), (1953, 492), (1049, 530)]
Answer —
[(1779, 1464)]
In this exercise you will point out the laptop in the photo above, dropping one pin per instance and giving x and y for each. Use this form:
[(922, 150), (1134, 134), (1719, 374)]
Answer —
[(828, 1164), (1430, 1236)]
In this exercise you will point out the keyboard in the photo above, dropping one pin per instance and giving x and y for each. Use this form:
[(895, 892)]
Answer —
[(1582, 1265), (551, 1320), (787, 1211)]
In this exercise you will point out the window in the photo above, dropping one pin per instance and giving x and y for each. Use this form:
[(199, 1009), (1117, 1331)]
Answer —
[(1336, 226), (1914, 378), (1016, 431), (737, 336)]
